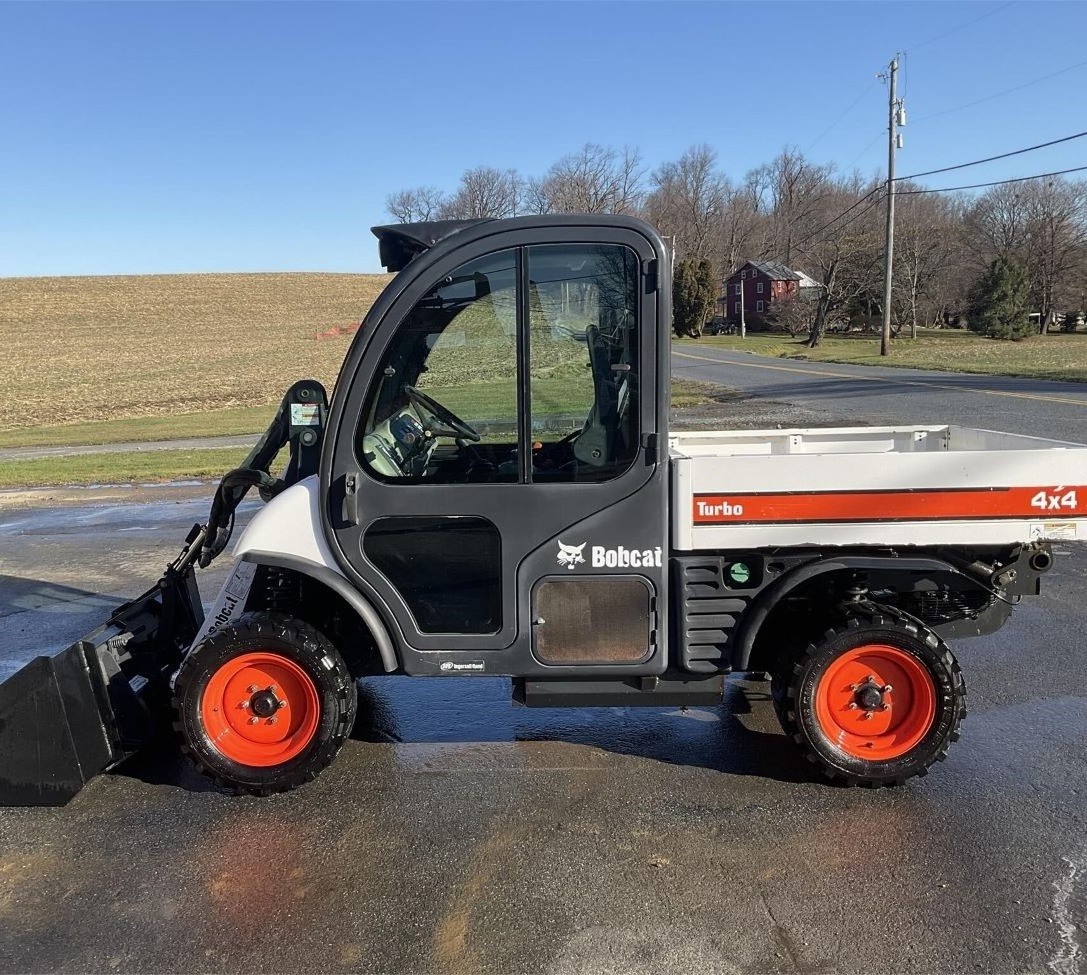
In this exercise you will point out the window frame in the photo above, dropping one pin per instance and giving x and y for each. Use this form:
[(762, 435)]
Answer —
[(360, 458), (524, 335), (523, 373), (759, 306)]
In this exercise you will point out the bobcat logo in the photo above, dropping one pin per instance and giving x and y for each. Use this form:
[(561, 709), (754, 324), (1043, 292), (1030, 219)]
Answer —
[(570, 555)]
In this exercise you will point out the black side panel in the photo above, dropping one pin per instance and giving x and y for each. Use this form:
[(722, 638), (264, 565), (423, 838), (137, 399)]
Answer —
[(52, 736), (711, 594)]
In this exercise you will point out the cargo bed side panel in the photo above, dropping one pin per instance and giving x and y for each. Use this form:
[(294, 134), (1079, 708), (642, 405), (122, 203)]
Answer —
[(895, 486)]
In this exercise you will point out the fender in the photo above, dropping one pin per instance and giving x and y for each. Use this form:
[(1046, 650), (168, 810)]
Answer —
[(338, 584), (772, 595)]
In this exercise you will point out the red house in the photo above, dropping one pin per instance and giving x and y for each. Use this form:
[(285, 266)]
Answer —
[(758, 284)]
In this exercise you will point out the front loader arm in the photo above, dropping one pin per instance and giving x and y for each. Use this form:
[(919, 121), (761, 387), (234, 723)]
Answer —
[(64, 718)]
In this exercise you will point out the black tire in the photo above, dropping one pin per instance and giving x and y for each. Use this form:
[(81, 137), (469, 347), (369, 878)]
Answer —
[(289, 644), (796, 683)]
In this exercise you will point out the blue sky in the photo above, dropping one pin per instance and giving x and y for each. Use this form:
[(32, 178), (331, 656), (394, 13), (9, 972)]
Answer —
[(143, 138)]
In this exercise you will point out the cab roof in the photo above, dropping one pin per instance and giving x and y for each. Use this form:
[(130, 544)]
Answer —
[(398, 243)]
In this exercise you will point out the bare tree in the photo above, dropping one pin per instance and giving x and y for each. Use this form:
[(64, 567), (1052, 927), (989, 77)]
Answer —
[(844, 254), (791, 193), (417, 205), (596, 179), (739, 228), (928, 252), (797, 212), (1041, 225), (996, 225), (484, 192), (1056, 219), (688, 200), (794, 312)]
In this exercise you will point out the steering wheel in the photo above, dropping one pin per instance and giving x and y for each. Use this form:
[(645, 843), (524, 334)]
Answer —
[(454, 426)]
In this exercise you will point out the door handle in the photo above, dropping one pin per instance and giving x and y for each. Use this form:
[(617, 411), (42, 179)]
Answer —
[(351, 499)]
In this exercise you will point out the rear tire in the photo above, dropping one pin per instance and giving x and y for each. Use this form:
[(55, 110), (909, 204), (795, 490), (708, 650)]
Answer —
[(875, 702), (264, 704)]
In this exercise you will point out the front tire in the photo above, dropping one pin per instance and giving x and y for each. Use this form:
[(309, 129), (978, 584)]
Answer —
[(875, 702), (264, 704)]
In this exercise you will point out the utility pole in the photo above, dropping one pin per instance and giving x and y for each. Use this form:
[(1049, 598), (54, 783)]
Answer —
[(895, 117), (743, 301)]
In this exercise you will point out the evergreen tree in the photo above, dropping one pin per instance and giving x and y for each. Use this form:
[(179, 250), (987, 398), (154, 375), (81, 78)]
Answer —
[(706, 292), (694, 294), (681, 298), (1000, 302)]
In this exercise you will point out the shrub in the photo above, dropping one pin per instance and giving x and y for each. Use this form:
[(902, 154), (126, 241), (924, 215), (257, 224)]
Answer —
[(999, 302)]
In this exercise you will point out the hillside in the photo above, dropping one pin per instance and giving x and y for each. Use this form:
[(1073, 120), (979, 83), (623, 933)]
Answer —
[(102, 348)]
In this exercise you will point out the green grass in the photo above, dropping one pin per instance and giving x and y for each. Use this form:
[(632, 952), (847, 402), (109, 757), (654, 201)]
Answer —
[(216, 423), (120, 468), (125, 467), (1059, 357), (480, 399)]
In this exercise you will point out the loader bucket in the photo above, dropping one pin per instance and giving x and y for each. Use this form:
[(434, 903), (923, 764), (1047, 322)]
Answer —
[(52, 735), (65, 718)]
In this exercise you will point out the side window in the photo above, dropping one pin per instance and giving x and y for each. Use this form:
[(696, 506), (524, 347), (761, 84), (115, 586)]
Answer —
[(442, 407), (583, 360)]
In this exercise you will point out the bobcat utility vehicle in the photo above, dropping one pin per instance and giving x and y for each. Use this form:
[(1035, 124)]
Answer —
[(494, 491)]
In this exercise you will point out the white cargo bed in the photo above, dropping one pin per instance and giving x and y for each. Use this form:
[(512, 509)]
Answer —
[(915, 485)]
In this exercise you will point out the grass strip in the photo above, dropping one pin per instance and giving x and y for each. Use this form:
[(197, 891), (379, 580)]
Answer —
[(1061, 357), (484, 399), (214, 423), (128, 467), (135, 467)]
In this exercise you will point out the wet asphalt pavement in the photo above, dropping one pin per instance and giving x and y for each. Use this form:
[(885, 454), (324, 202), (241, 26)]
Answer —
[(458, 833)]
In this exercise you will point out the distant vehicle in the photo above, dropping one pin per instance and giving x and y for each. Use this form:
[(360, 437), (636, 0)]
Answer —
[(719, 326)]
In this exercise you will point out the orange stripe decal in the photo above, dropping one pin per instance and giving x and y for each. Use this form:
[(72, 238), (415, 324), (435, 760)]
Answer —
[(938, 504)]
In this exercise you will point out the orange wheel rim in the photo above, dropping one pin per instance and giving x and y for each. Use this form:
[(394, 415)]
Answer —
[(875, 702), (260, 709)]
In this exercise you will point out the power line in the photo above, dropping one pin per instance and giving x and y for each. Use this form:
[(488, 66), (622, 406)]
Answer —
[(867, 196), (852, 106), (1005, 155), (871, 206), (814, 235), (879, 135), (969, 23), (1000, 94), (998, 182)]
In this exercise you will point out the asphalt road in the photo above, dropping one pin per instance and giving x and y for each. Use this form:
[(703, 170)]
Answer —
[(457, 833), (843, 393)]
